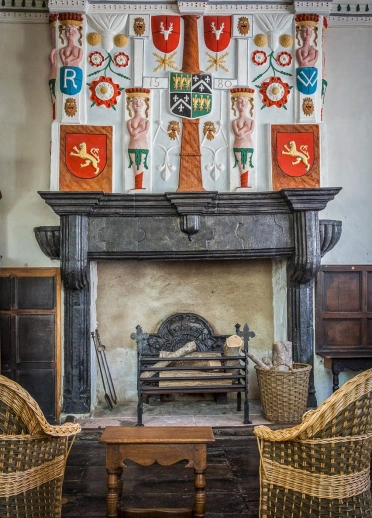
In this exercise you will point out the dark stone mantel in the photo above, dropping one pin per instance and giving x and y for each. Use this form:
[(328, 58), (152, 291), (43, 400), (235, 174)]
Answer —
[(179, 226)]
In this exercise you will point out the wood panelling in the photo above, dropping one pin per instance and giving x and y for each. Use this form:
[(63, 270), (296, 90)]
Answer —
[(344, 311), (30, 333), (342, 292), (36, 293)]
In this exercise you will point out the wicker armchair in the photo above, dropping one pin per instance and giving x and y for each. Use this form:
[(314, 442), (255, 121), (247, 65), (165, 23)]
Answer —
[(321, 467), (33, 456)]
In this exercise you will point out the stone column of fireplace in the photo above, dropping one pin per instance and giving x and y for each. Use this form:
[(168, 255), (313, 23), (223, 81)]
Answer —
[(302, 268), (75, 276)]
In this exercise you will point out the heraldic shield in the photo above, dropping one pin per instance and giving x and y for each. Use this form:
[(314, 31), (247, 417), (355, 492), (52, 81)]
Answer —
[(190, 95), (295, 156), (165, 32), (295, 153), (85, 154)]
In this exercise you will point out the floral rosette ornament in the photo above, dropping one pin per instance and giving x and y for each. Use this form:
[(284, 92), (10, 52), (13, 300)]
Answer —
[(104, 92), (259, 57), (275, 93), (96, 58), (284, 59), (121, 59)]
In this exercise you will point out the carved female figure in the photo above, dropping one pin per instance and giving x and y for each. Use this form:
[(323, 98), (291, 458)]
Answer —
[(71, 55), (243, 126), (138, 100), (306, 54), (53, 61), (324, 70)]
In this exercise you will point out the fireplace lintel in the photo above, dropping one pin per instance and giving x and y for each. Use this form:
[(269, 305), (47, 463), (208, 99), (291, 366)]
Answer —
[(101, 226)]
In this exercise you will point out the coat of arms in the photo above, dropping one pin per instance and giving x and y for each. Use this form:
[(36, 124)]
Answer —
[(85, 155), (165, 32), (295, 156), (85, 162), (190, 94), (217, 32)]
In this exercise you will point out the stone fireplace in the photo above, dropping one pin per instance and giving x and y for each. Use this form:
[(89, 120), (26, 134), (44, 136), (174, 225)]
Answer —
[(198, 226)]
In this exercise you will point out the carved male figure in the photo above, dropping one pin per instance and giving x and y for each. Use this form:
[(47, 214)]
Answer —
[(243, 126), (138, 100)]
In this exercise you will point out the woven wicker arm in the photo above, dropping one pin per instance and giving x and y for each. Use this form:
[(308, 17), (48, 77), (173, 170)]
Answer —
[(321, 467), (33, 456)]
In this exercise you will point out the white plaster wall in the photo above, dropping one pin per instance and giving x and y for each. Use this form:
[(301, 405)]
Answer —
[(25, 119), (348, 115)]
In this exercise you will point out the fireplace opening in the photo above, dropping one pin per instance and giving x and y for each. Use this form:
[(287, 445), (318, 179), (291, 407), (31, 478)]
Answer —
[(131, 293)]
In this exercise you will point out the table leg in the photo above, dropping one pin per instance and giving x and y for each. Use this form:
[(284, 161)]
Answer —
[(336, 369), (200, 495), (114, 490)]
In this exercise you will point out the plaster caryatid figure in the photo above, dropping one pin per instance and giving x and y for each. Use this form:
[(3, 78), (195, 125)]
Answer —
[(71, 27), (242, 100), (307, 55), (138, 103), (324, 70), (53, 18)]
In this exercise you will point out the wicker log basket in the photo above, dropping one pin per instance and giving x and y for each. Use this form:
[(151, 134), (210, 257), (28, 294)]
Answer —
[(284, 393), (33, 456)]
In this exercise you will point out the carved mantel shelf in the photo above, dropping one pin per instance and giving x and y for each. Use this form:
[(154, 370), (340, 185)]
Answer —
[(178, 226)]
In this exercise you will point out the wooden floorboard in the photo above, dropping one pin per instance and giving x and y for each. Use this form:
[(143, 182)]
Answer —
[(232, 481)]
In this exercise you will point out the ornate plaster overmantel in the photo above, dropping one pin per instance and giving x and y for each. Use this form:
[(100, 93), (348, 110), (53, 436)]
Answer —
[(97, 226)]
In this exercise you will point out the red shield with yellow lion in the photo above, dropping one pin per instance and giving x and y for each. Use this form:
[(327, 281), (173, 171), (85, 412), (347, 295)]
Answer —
[(295, 156), (85, 154)]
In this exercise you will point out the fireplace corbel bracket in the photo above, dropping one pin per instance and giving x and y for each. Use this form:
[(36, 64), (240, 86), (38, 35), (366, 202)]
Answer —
[(190, 206)]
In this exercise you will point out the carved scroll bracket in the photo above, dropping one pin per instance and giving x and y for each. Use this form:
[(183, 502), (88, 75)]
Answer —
[(330, 232), (190, 205), (74, 251), (305, 262), (49, 241)]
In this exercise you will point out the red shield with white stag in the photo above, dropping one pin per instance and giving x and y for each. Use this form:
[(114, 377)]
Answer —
[(165, 32), (217, 32), (295, 153), (86, 154)]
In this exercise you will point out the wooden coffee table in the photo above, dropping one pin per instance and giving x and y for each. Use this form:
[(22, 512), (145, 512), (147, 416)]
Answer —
[(165, 445)]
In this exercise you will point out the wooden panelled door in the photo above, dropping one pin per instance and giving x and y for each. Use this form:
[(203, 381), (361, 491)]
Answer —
[(344, 311), (30, 333)]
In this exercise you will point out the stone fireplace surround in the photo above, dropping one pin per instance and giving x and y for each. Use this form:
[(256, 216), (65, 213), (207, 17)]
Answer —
[(184, 226)]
